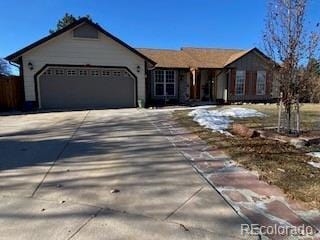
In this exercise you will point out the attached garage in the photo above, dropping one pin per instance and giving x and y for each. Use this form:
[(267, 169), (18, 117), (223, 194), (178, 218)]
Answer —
[(76, 87), (82, 66)]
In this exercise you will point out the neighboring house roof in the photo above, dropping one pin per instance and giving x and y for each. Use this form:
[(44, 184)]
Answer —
[(17, 54), (196, 57)]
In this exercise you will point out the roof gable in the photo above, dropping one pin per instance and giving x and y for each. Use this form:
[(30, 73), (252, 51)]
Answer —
[(237, 57), (17, 54)]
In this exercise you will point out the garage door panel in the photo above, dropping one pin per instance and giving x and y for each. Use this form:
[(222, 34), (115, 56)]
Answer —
[(61, 91)]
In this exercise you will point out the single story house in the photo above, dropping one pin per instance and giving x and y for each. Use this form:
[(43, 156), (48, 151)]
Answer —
[(84, 66)]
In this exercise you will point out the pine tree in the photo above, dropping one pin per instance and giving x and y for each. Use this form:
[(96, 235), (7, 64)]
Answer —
[(66, 20)]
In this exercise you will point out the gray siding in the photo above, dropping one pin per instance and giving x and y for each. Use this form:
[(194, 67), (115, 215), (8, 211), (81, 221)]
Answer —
[(251, 63)]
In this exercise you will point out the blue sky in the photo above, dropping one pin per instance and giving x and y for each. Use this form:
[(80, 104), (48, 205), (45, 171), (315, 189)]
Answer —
[(144, 23)]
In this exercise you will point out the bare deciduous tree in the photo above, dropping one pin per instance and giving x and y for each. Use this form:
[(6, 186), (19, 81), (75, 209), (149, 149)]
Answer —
[(288, 43)]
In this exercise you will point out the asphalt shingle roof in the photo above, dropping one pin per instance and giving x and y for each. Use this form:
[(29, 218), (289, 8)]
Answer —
[(193, 57)]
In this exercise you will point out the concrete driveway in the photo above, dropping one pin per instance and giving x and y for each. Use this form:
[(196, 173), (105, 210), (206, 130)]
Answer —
[(57, 171)]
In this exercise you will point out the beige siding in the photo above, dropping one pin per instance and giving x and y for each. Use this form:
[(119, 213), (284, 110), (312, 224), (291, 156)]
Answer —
[(65, 49)]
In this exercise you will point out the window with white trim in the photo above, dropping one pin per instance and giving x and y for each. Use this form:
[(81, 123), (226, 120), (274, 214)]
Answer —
[(240, 82), (164, 83), (261, 83)]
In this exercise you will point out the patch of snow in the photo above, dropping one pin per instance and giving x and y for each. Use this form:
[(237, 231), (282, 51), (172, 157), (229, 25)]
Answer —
[(210, 119), (314, 154), (219, 120), (317, 155), (240, 113), (315, 164)]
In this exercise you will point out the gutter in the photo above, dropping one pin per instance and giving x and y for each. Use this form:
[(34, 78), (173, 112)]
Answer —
[(14, 64)]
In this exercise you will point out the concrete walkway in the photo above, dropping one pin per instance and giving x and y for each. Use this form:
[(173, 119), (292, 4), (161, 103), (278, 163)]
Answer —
[(58, 170), (255, 200)]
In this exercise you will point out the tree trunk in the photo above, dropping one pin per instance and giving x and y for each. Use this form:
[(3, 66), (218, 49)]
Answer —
[(298, 116), (279, 115), (288, 111)]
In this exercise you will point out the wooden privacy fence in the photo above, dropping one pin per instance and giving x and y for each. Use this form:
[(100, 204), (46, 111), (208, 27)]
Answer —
[(11, 93)]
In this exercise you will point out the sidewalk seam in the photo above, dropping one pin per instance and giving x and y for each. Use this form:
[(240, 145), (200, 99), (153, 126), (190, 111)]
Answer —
[(85, 223), (59, 155), (184, 203)]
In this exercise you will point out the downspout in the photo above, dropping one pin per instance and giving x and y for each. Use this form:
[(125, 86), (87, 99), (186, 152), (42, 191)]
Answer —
[(193, 74), (229, 75), (146, 82)]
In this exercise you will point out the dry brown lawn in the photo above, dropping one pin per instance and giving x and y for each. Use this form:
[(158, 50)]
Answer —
[(277, 163), (310, 116)]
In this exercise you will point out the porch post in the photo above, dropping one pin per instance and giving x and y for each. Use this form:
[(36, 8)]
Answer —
[(194, 87), (210, 78), (215, 85)]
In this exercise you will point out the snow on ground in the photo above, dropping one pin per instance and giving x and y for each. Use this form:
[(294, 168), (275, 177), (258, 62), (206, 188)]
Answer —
[(314, 154), (317, 155), (314, 164), (220, 119)]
